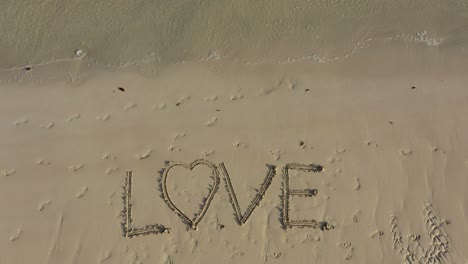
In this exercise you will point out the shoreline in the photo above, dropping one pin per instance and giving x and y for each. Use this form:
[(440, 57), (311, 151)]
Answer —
[(419, 59)]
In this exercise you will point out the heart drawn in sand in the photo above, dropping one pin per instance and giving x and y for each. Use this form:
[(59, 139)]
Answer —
[(192, 222)]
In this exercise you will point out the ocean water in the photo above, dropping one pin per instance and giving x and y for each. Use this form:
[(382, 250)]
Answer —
[(117, 33)]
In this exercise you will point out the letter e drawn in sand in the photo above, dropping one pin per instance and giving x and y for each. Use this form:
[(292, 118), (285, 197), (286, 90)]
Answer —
[(241, 219), (127, 229), (191, 222), (285, 221)]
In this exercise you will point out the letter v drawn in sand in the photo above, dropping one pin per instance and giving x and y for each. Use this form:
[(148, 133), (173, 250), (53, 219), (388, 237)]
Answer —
[(241, 219), (206, 200)]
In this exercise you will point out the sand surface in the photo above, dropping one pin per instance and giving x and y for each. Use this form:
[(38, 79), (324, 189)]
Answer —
[(268, 145)]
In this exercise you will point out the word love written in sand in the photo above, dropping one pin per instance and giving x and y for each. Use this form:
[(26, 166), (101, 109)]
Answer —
[(241, 218)]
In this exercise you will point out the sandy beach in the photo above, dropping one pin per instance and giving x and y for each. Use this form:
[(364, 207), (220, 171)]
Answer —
[(234, 132)]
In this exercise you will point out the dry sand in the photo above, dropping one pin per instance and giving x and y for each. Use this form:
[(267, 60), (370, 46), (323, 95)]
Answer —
[(266, 152)]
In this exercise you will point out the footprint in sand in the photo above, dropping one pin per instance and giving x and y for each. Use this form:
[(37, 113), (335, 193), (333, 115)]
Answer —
[(291, 85), (286, 83), (43, 205), (81, 193), (43, 162), (333, 160), (266, 91), (22, 122), (437, 149), (108, 156), (211, 122), (145, 154), (357, 184), (110, 200), (406, 152), (48, 125), (239, 144), (17, 235), (370, 143), (73, 117), (172, 148), (111, 170), (182, 100), (236, 97), (104, 117), (105, 256), (75, 167), (340, 151), (178, 135), (161, 106), (8, 172), (377, 233), (211, 98), (129, 107), (356, 216), (208, 153), (302, 144), (275, 153), (350, 250)]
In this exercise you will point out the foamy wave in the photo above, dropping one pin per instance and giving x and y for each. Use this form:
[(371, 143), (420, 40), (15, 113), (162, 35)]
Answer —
[(422, 37)]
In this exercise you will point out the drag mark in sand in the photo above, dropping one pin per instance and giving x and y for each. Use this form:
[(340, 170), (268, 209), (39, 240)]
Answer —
[(55, 243), (413, 252)]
